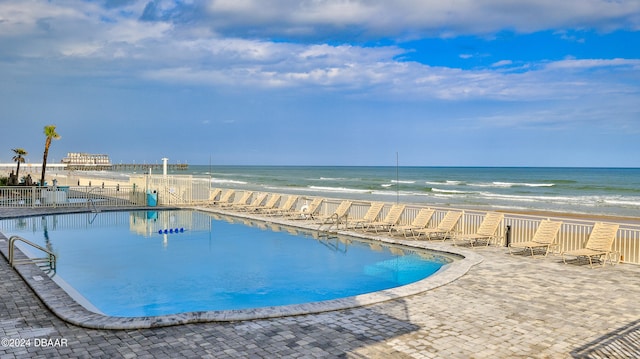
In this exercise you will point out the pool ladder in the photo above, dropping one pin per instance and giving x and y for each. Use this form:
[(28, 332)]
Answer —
[(50, 259), (91, 202)]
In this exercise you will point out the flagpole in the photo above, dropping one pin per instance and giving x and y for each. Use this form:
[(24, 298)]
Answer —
[(397, 181)]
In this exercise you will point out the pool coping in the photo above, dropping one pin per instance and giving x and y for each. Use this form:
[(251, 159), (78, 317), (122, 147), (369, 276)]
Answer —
[(66, 308)]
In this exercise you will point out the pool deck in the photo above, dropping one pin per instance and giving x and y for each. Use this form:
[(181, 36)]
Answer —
[(503, 307)]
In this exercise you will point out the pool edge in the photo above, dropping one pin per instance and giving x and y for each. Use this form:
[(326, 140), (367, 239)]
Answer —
[(66, 308)]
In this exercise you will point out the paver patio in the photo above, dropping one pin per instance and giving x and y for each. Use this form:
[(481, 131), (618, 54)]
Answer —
[(504, 307)]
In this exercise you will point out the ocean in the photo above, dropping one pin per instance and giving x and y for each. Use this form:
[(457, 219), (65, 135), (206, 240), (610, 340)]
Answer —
[(601, 191), (591, 191)]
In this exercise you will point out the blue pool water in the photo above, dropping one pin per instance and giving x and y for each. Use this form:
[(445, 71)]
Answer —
[(124, 264)]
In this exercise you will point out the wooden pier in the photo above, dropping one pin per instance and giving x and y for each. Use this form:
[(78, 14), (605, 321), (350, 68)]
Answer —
[(146, 167)]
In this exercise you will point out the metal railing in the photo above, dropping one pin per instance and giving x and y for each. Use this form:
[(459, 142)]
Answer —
[(71, 196), (573, 233), (50, 259)]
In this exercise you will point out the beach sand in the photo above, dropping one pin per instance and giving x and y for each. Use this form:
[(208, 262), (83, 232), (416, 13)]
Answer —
[(578, 216), (75, 179)]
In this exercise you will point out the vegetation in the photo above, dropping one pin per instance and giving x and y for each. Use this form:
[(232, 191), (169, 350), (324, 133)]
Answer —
[(51, 134), (19, 158)]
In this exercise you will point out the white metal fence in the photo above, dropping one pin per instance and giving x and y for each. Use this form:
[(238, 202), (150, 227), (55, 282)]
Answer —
[(573, 233), (174, 190), (186, 190), (71, 196)]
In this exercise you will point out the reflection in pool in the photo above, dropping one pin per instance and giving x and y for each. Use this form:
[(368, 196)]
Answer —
[(149, 263)]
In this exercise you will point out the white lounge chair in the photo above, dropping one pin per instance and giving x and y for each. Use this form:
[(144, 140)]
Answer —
[(256, 202), (391, 219), (544, 238), (487, 232), (285, 208), (307, 210), (241, 202), (372, 214), (420, 221), (271, 203), (340, 215), (598, 244), (445, 228), (226, 198)]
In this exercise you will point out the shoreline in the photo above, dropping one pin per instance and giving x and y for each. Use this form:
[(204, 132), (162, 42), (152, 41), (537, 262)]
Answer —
[(576, 216)]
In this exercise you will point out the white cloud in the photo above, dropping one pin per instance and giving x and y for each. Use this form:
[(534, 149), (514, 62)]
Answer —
[(502, 63), (362, 18), (181, 53), (133, 32), (27, 17), (594, 63)]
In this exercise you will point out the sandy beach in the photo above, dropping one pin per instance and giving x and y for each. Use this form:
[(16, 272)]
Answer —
[(85, 179)]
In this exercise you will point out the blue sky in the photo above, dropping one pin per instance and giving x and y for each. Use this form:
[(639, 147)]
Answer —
[(324, 82)]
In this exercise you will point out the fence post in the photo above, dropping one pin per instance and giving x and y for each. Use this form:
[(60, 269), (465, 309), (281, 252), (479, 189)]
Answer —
[(34, 192), (507, 235)]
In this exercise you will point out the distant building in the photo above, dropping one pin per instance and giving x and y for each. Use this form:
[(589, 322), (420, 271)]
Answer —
[(87, 161)]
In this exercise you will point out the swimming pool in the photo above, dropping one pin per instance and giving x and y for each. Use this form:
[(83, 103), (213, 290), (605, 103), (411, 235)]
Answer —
[(153, 263)]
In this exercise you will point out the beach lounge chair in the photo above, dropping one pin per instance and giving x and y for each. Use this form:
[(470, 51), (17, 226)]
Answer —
[(271, 203), (256, 202), (544, 238), (225, 198), (285, 208), (372, 214), (391, 219), (246, 196), (213, 194), (420, 221), (340, 215), (444, 229), (598, 244), (487, 232), (308, 210)]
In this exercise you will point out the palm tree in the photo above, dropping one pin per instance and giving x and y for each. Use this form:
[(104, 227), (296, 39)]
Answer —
[(19, 158), (50, 132)]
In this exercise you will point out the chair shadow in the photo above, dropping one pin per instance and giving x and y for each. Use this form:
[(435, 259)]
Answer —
[(620, 343)]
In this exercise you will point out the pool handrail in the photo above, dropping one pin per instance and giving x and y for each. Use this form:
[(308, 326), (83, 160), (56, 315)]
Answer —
[(51, 257)]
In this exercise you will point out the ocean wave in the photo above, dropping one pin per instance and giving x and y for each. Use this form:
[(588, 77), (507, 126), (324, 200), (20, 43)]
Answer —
[(451, 191), (573, 201), (445, 183), (498, 184), (608, 189), (339, 189), (634, 202), (332, 179), (226, 181), (515, 197), (405, 182)]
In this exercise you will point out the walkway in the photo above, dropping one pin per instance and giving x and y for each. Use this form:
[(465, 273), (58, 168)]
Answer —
[(504, 307)]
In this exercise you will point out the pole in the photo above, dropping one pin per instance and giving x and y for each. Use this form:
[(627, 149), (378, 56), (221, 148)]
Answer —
[(397, 181), (164, 166)]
